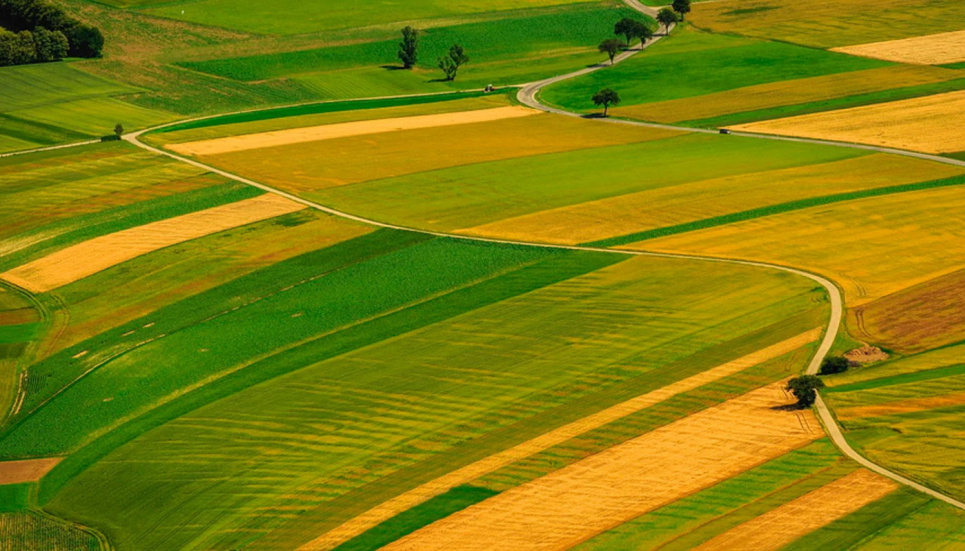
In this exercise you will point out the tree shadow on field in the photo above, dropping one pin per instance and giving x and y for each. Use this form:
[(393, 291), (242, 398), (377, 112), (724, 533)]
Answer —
[(593, 116), (392, 67), (790, 407)]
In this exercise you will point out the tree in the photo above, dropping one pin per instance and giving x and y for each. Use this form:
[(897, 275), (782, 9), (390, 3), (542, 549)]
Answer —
[(667, 17), (805, 389), (644, 33), (611, 47), (682, 7), (118, 130), (630, 28), (50, 45), (834, 364), (606, 97), (85, 40), (409, 47), (450, 64)]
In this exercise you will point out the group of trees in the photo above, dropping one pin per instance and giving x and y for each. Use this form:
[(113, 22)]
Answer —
[(805, 387), (409, 54), (37, 31)]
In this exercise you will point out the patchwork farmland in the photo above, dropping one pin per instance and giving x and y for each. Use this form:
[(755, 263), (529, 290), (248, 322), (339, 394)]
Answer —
[(267, 285)]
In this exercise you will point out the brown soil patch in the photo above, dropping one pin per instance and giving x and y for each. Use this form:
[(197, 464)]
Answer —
[(291, 136), (569, 506), (930, 124), (95, 255), (781, 526), (866, 355), (902, 406), (543, 442), (28, 470), (934, 49)]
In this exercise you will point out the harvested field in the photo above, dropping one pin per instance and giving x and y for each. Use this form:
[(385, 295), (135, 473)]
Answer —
[(87, 258), (933, 49), (276, 138), (688, 202), (787, 92), (492, 463), (872, 247), (781, 526), (28, 470), (577, 502), (930, 124), (922, 317), (901, 406)]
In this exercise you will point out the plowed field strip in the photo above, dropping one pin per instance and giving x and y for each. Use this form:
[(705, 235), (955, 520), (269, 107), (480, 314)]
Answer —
[(28, 470), (596, 494)]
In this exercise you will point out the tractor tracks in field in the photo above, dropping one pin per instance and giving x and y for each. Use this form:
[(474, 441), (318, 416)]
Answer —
[(528, 95)]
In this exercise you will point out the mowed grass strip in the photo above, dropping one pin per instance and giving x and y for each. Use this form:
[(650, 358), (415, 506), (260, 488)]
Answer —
[(577, 502), (344, 130), (301, 169), (90, 257), (927, 124), (818, 23), (692, 63), (493, 191), (872, 247), (555, 437), (933, 49), (397, 404), (673, 209), (778, 527), (787, 92)]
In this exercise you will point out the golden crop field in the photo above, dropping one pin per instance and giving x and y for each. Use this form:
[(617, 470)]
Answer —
[(930, 124), (667, 206), (871, 247), (933, 49), (27, 470), (581, 500), (394, 506), (827, 24), (98, 254), (297, 135), (781, 526), (787, 92), (300, 167)]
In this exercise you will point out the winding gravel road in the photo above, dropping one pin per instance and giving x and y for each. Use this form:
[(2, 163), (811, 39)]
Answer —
[(528, 95)]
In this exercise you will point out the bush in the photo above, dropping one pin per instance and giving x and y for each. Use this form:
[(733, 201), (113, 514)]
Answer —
[(834, 364)]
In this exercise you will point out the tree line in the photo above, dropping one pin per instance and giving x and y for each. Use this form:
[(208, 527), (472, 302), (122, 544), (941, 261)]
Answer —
[(34, 31)]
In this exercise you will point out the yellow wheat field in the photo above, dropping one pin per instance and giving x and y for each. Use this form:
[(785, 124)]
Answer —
[(100, 253), (931, 124), (668, 206), (779, 527), (28, 470), (871, 247), (233, 144), (788, 92), (494, 462), (605, 490), (933, 49)]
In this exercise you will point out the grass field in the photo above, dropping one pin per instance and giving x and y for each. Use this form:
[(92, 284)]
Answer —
[(468, 336), (819, 24), (34, 532), (693, 63)]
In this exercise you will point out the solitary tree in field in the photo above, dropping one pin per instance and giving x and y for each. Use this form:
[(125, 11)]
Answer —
[(834, 364), (611, 47), (450, 63), (606, 97), (409, 47), (667, 17), (682, 7), (118, 130), (805, 389)]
